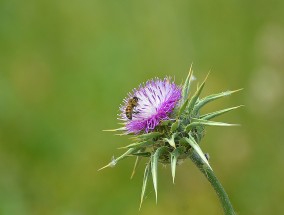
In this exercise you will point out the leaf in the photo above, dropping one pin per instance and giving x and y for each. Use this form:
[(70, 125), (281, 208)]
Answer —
[(139, 144), (211, 98), (194, 98), (166, 122), (117, 129), (198, 122), (185, 92), (142, 154), (137, 161), (186, 86), (218, 113), (182, 108), (145, 181), (149, 135), (175, 126), (183, 142), (197, 148), (171, 141), (174, 156), (154, 167), (114, 161)]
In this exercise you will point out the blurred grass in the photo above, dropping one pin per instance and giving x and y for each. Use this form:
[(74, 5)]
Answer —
[(65, 66)]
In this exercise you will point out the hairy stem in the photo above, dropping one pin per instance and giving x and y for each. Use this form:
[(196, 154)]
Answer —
[(215, 183)]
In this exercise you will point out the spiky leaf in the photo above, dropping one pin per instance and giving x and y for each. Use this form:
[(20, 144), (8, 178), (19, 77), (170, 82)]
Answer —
[(154, 167), (195, 97), (171, 141), (174, 157), (145, 181), (117, 129), (149, 136), (186, 86), (142, 154), (198, 150), (113, 162), (139, 144), (182, 108), (137, 161), (165, 122), (175, 126), (218, 113), (200, 122), (183, 142), (211, 98)]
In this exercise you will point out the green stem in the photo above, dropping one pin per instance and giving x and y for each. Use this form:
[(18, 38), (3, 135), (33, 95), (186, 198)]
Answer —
[(211, 177)]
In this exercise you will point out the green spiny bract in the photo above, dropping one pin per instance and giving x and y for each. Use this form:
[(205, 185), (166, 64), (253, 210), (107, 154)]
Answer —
[(174, 140)]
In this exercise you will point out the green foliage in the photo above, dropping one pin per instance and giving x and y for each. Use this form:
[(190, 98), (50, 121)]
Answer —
[(177, 139), (211, 98), (198, 122), (171, 141), (149, 136), (175, 126), (218, 113), (174, 158), (191, 141), (195, 97), (145, 181), (137, 161), (186, 87), (127, 153), (154, 167), (139, 144)]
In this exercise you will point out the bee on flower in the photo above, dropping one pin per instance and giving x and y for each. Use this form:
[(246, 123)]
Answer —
[(157, 99), (167, 127)]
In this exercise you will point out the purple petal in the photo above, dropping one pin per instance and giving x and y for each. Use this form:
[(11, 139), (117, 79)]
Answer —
[(157, 99)]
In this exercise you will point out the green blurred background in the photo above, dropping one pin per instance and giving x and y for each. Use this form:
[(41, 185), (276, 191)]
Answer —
[(65, 67)]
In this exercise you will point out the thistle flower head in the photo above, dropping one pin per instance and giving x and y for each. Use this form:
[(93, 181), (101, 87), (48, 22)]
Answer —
[(156, 101), (166, 125)]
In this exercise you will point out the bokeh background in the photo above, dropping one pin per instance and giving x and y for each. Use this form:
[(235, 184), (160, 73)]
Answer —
[(65, 67)]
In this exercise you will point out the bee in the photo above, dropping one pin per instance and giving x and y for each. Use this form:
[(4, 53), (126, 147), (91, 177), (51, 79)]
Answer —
[(133, 102)]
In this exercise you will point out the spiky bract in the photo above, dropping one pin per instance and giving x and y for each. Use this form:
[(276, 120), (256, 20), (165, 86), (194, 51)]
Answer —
[(169, 140)]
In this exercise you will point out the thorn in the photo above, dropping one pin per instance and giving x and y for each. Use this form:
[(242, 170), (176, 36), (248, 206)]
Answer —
[(207, 76), (117, 129), (120, 134), (103, 167), (234, 91), (140, 206), (190, 69), (111, 164)]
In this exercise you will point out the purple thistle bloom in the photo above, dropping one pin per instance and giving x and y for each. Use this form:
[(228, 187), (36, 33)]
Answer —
[(156, 100)]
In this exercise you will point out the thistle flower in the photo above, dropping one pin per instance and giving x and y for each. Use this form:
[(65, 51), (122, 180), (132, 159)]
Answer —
[(156, 101), (167, 127)]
